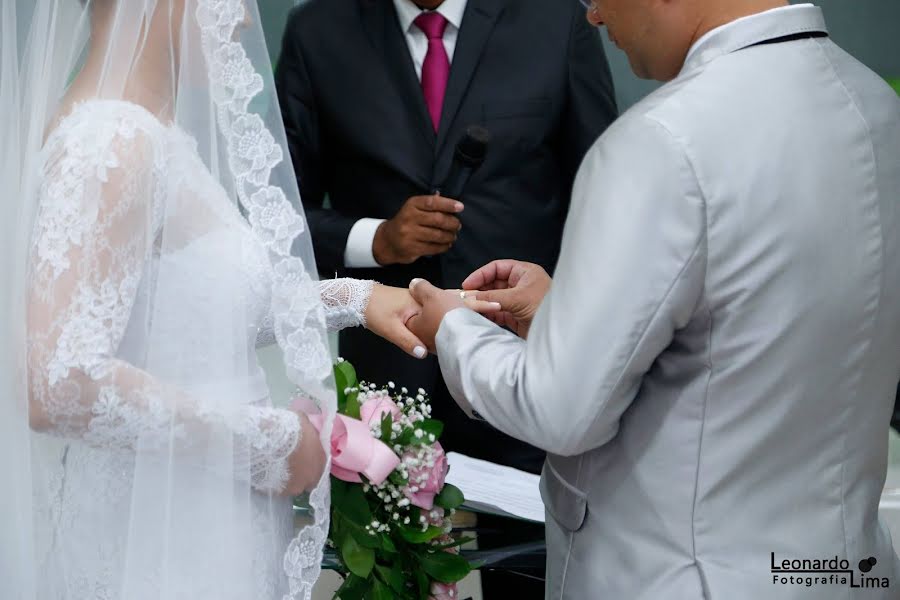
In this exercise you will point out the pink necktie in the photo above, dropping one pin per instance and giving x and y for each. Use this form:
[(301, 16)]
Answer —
[(436, 68)]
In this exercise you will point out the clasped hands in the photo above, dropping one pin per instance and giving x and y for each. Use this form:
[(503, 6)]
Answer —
[(508, 292)]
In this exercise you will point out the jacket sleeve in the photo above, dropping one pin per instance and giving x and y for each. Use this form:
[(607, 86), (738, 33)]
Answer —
[(630, 275)]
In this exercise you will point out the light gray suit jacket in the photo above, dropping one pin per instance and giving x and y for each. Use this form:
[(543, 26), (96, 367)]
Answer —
[(714, 367)]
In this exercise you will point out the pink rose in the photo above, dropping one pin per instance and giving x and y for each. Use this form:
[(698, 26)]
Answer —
[(372, 410), (431, 487), (443, 591)]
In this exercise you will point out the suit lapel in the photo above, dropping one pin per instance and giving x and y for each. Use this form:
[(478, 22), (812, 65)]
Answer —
[(383, 28), (475, 30)]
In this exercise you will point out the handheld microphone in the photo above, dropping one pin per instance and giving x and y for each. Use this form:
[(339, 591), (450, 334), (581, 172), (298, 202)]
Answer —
[(469, 154)]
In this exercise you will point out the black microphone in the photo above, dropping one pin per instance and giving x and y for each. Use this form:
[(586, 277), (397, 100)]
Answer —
[(469, 155)]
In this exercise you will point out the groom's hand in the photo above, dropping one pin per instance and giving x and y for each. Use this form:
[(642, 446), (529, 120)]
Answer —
[(519, 287), (435, 304)]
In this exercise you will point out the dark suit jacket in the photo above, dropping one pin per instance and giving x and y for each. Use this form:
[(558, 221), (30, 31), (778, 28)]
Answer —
[(532, 71)]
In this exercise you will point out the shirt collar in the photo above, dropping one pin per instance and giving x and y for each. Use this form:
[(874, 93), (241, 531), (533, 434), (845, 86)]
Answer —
[(746, 31), (452, 10)]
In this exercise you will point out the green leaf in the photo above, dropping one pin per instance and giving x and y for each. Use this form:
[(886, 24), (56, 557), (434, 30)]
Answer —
[(450, 497), (406, 436), (397, 479), (359, 560), (393, 577), (388, 544), (387, 423), (415, 535), (364, 538), (349, 500), (380, 592), (423, 583), (345, 371), (895, 83), (432, 426), (351, 407), (456, 543), (353, 588), (344, 378), (445, 567)]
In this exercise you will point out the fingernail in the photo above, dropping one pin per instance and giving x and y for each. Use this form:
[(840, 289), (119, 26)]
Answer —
[(420, 352), (495, 305), (414, 282), (458, 206)]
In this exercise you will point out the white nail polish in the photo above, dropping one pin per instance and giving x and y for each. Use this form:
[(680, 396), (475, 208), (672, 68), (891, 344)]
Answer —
[(420, 352)]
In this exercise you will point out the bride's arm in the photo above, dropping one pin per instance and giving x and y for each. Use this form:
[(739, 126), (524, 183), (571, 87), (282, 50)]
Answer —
[(381, 309), (91, 246), (345, 302)]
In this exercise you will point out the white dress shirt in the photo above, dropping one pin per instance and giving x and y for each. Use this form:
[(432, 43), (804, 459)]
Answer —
[(358, 253)]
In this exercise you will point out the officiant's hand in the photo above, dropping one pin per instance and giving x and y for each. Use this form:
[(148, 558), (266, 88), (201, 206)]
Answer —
[(424, 226), (307, 461), (519, 287), (387, 313)]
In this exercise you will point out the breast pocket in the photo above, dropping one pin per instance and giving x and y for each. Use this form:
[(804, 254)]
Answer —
[(565, 503), (517, 128)]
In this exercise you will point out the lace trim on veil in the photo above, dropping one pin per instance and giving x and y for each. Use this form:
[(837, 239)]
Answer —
[(297, 311)]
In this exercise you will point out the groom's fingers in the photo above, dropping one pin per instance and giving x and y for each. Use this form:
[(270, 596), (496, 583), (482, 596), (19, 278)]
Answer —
[(491, 273), (481, 306), (504, 299)]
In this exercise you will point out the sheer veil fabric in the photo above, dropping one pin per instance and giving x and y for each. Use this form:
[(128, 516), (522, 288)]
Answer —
[(151, 234)]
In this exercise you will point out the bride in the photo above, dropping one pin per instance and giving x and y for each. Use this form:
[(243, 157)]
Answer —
[(152, 238)]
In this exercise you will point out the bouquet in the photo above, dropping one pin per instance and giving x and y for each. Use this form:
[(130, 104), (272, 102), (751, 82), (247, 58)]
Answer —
[(390, 505)]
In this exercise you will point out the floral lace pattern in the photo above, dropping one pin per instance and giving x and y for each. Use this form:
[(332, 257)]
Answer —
[(345, 301), (297, 319), (127, 205), (88, 308)]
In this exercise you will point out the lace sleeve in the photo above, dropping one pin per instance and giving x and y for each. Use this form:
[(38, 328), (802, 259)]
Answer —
[(91, 246), (345, 302)]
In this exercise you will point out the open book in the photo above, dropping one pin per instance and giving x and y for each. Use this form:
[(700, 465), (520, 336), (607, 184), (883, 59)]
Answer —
[(496, 489)]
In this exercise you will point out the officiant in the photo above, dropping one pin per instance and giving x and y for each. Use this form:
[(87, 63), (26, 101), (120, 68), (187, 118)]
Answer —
[(376, 95), (714, 363)]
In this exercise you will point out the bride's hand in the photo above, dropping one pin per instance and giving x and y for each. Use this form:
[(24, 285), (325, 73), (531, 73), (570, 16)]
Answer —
[(388, 311), (306, 462)]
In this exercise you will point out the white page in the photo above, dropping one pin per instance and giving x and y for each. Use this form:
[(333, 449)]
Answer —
[(496, 489)]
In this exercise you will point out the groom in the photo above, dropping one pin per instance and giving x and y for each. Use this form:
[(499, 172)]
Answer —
[(715, 362)]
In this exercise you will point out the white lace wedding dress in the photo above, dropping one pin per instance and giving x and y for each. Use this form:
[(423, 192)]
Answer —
[(99, 387)]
